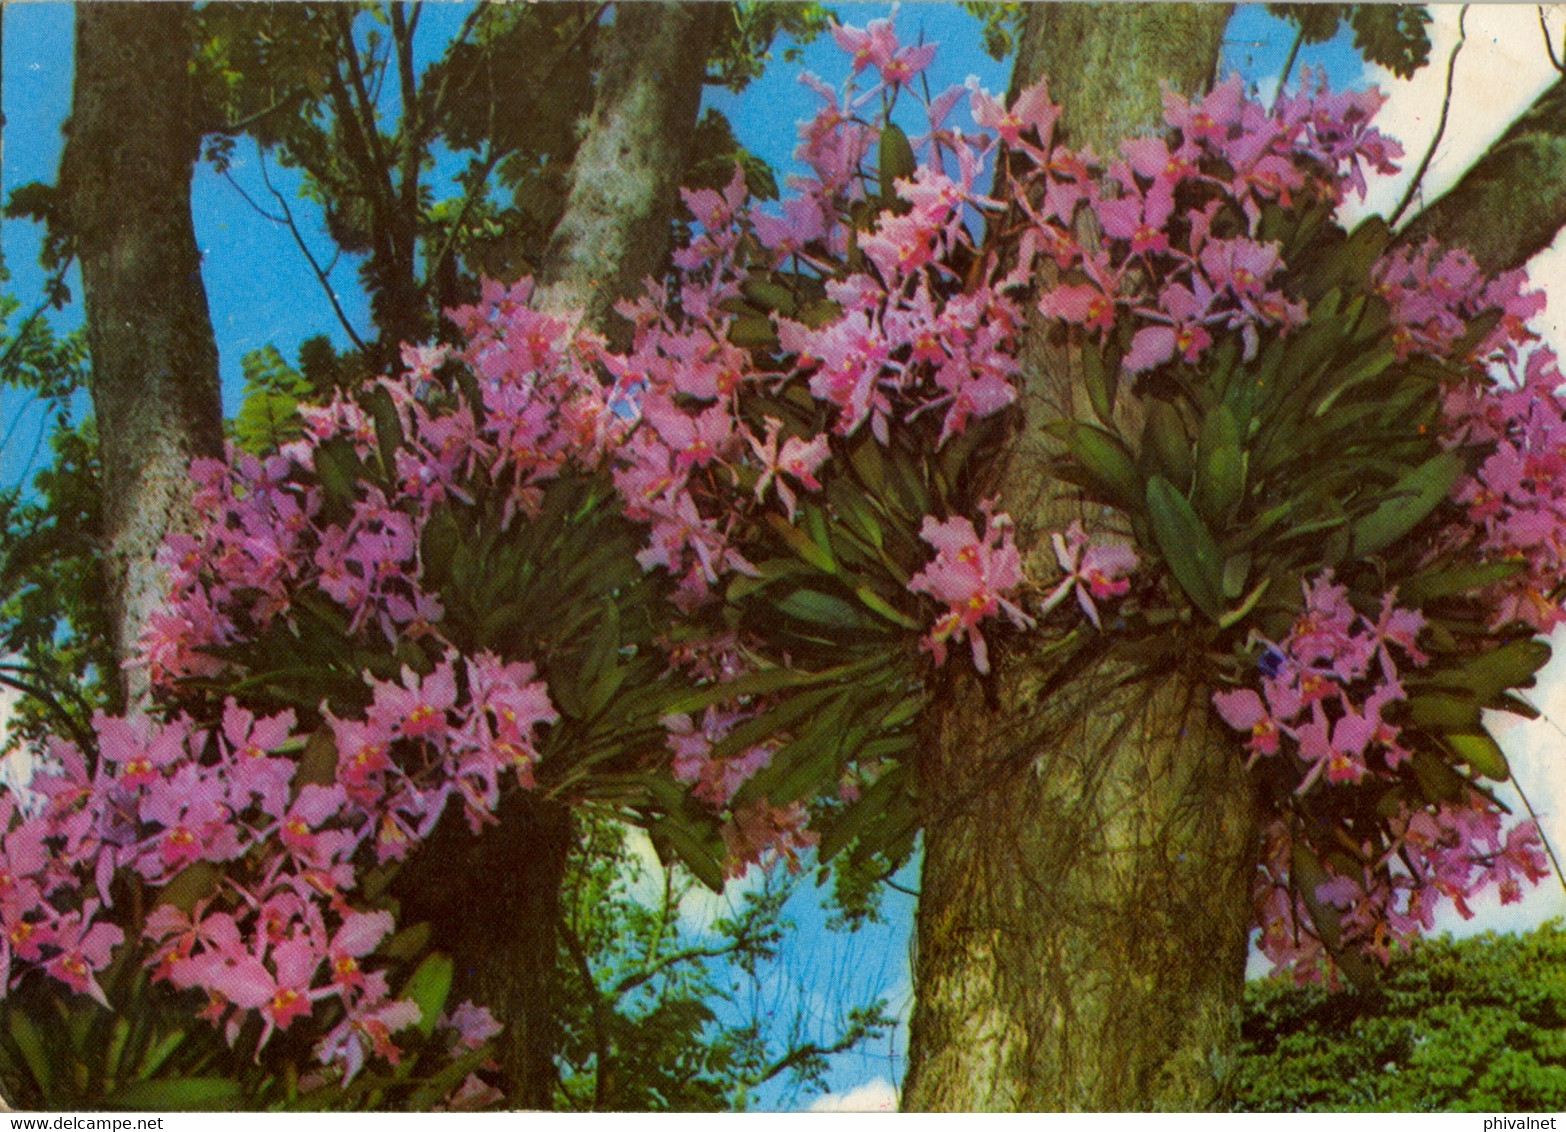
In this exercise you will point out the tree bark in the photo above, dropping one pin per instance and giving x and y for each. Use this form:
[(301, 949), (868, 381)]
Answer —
[(615, 228), (494, 904), (1089, 836), (125, 186), (1512, 201)]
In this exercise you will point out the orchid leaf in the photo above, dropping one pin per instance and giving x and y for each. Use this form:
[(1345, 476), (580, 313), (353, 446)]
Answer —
[(1187, 546)]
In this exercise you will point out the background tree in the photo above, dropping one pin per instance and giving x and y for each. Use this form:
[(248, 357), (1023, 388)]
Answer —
[(1472, 1025), (124, 197)]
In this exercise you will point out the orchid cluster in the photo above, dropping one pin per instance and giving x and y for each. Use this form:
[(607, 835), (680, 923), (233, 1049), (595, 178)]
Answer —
[(270, 927), (1181, 255), (1513, 500), (787, 355), (1330, 698)]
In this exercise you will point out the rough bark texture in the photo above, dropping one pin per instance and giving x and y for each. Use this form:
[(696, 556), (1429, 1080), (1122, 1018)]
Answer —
[(1089, 839), (1512, 201), (615, 229), (125, 186)]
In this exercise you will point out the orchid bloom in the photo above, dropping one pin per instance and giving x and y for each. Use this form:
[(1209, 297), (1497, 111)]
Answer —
[(1091, 571)]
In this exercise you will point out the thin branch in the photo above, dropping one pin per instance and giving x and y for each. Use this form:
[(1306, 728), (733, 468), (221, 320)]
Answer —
[(1549, 47), (293, 228), (50, 288), (636, 979), (1288, 64), (438, 103), (1548, 848), (365, 104), (1446, 106), (251, 119), (248, 199), (807, 1052), (475, 190), (81, 736)]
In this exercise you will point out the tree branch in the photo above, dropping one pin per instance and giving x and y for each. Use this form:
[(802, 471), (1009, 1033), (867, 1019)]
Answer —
[(293, 228), (1549, 48), (1512, 201), (1446, 106)]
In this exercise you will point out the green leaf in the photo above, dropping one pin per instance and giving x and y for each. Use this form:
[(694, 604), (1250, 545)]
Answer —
[(802, 544), (1220, 466), (1309, 874), (30, 1042), (1512, 665), (1166, 449), (821, 609), (705, 864), (768, 296), (1102, 381), (896, 159), (179, 1094), (1187, 546), (882, 607), (388, 427), (1407, 503), (1460, 580), (1104, 461), (1444, 712), (428, 987), (190, 884), (1481, 752), (751, 332), (1392, 35)]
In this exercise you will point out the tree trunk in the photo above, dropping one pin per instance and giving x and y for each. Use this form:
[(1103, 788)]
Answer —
[(626, 173), (614, 232), (494, 903), (125, 186), (1089, 836)]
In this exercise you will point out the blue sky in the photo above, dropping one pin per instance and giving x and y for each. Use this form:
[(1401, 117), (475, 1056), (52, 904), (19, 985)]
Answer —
[(261, 291)]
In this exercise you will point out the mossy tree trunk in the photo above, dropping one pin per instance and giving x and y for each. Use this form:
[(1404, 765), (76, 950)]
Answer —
[(125, 192), (1089, 834)]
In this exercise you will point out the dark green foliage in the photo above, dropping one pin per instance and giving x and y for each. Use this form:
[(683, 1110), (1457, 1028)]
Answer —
[(745, 40), (1477, 1025), (1001, 21), (268, 415), (1389, 35)]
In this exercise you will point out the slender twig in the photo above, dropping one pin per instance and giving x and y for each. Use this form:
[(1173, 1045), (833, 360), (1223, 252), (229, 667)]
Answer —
[(293, 228), (249, 120), (475, 190), (1288, 64), (365, 105), (38, 438), (5, 441), (1548, 848), (248, 199), (51, 285), (1549, 47), (1446, 106), (82, 737), (632, 981)]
